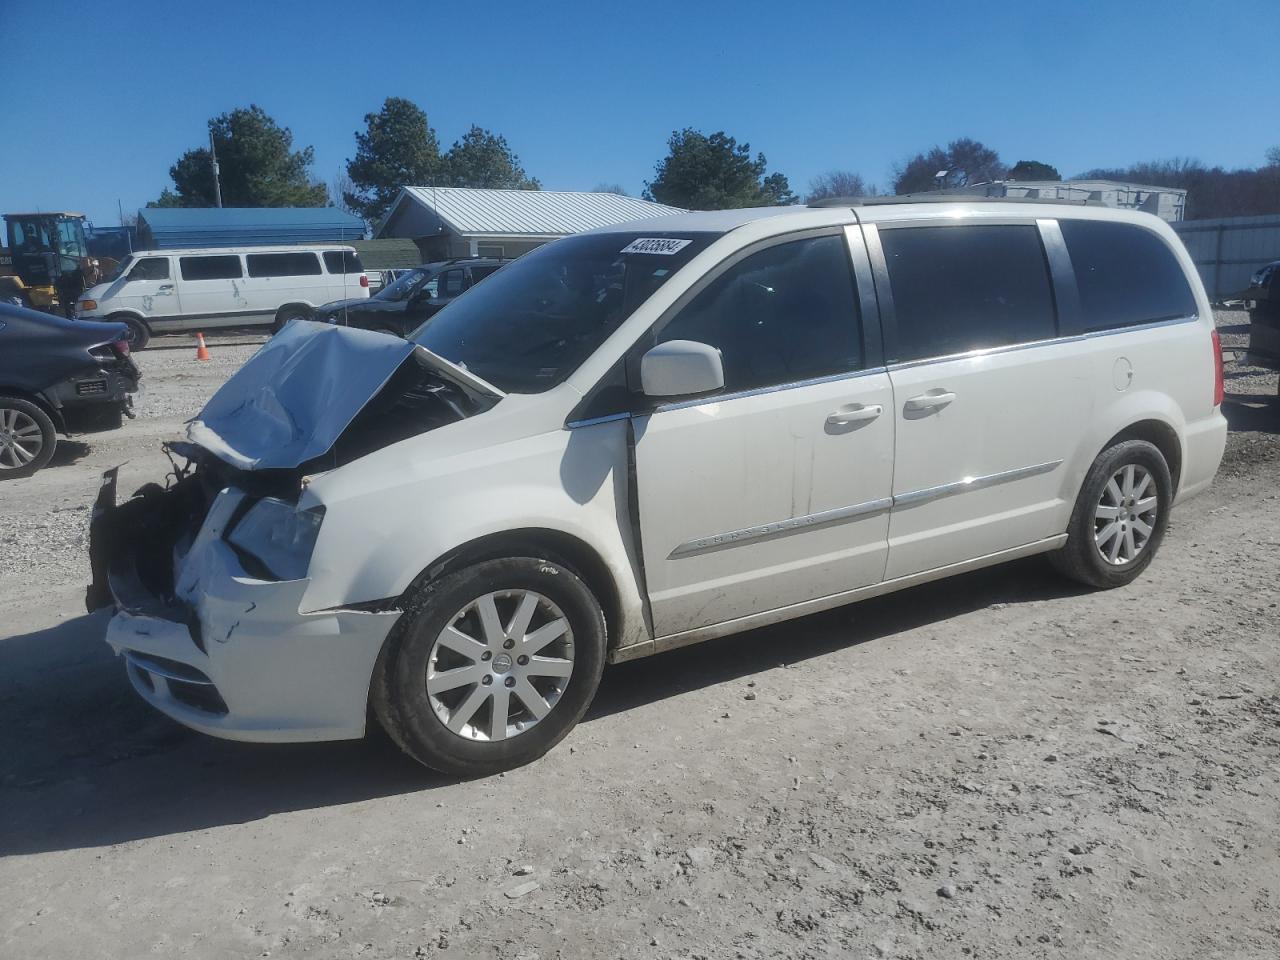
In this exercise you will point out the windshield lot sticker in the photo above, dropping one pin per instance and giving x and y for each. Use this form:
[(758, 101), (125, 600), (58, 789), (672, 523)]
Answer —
[(664, 246)]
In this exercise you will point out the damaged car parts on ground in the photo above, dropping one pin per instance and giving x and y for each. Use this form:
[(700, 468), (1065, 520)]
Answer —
[(645, 436)]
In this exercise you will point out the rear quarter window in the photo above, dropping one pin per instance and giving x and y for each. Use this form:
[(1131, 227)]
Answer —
[(1126, 275), (283, 264), (218, 267), (343, 261)]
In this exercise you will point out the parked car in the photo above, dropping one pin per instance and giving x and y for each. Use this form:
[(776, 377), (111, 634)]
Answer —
[(653, 434), (415, 295), (58, 376), (1263, 297), (159, 291)]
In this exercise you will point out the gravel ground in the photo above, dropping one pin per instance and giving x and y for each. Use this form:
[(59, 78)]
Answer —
[(998, 765)]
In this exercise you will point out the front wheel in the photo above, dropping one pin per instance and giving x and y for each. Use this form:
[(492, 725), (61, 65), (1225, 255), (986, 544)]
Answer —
[(491, 666), (139, 333), (1119, 518), (27, 438)]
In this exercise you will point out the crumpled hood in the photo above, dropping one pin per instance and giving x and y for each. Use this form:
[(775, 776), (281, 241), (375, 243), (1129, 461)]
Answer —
[(293, 398)]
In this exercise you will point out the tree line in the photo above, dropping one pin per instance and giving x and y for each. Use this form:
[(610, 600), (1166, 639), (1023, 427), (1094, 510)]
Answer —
[(260, 167)]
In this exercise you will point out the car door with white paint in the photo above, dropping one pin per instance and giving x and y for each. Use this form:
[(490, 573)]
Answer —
[(148, 288), (989, 402), (776, 489)]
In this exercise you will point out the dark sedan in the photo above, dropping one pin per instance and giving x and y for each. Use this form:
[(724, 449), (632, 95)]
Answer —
[(1263, 297), (58, 376), (416, 295)]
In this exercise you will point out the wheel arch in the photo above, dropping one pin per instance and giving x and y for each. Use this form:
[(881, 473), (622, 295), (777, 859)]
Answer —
[(296, 305), (1159, 434), (579, 556), (54, 414)]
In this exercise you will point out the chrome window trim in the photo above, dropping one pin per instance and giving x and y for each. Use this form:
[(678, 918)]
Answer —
[(592, 421), (761, 391), (779, 528), (1071, 338), (929, 494)]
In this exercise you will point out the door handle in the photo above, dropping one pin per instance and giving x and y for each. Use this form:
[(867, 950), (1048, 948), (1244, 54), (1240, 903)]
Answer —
[(165, 288), (854, 413), (933, 400)]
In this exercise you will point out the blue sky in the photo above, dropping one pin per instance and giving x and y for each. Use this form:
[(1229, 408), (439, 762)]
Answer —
[(100, 98)]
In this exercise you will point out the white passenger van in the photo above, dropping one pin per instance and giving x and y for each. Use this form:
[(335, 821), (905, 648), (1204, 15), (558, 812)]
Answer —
[(649, 435), (158, 291)]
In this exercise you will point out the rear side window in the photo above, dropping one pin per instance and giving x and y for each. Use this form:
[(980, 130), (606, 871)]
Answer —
[(282, 264), (785, 314), (1126, 275), (219, 267), (150, 268), (479, 273), (965, 288), (343, 261)]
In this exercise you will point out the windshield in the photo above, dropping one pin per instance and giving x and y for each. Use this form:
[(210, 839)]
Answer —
[(531, 324), (405, 285), (121, 270)]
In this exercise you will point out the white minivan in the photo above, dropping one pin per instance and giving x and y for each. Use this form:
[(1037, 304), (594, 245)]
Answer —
[(648, 435), (159, 291)]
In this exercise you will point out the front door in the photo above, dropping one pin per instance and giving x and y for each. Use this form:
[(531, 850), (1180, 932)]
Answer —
[(776, 491), (990, 407), (149, 288)]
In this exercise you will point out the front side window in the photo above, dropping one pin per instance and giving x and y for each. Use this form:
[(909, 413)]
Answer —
[(343, 261), (282, 264), (533, 323), (219, 267), (963, 288), (151, 268), (785, 314), (1125, 274), (451, 283)]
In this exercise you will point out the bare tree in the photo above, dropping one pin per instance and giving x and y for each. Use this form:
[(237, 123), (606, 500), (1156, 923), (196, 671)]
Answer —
[(839, 183), (617, 188), (339, 187)]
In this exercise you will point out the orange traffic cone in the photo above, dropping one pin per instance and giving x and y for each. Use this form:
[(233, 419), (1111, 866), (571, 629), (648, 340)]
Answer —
[(202, 352)]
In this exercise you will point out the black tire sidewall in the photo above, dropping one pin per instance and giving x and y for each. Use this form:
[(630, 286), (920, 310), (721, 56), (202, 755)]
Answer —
[(406, 707), (1140, 453), (139, 332), (48, 434)]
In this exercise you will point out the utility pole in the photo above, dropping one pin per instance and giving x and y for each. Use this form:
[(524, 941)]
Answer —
[(217, 187)]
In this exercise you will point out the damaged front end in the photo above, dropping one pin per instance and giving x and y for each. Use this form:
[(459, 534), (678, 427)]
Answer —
[(208, 573)]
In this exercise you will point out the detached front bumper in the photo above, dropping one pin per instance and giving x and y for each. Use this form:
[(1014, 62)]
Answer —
[(228, 654)]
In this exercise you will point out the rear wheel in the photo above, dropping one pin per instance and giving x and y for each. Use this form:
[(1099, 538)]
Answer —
[(1119, 518), (27, 438), (491, 666), (288, 314), (139, 332)]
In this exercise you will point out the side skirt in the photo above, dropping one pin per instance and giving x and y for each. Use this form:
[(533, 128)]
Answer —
[(697, 635)]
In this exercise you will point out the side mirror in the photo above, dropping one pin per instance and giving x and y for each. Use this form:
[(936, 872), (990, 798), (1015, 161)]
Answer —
[(681, 368)]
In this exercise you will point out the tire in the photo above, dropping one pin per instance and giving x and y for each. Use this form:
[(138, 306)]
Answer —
[(289, 313), (139, 332), (416, 654), (1136, 466), (27, 438)]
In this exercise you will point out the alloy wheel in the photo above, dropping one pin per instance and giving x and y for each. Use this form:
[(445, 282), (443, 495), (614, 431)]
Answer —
[(1125, 516), (500, 665), (21, 439)]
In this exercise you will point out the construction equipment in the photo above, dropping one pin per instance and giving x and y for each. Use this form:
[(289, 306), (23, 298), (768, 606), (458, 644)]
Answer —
[(48, 261)]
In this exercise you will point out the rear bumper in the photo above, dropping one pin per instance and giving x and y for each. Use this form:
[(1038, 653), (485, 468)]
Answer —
[(227, 654), (1204, 442)]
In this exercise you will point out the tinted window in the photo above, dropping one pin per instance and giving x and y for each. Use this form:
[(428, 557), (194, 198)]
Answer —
[(784, 314), (479, 273), (342, 261), (451, 283), (151, 268), (210, 268), (282, 264), (967, 288), (1125, 275)]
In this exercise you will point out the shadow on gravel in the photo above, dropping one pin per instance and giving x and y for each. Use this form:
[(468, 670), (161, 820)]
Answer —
[(86, 763), (68, 452), (1252, 413)]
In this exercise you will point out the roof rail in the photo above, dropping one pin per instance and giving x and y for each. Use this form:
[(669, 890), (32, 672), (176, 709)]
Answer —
[(944, 198)]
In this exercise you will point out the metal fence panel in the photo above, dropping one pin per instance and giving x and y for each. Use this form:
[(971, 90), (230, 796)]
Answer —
[(1227, 251)]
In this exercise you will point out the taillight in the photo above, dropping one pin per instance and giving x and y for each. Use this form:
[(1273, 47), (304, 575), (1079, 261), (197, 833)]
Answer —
[(364, 281), (1219, 388)]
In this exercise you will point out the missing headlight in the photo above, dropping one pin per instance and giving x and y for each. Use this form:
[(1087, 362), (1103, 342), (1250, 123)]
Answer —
[(275, 539)]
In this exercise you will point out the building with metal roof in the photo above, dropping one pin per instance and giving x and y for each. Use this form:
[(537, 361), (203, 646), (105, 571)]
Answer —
[(449, 222), (167, 227)]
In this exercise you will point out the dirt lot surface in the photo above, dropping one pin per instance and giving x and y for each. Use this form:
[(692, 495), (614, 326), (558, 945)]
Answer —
[(1000, 765)]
